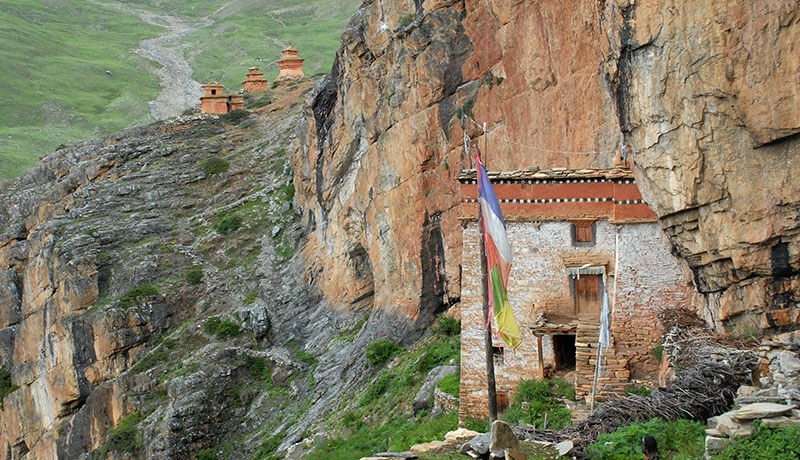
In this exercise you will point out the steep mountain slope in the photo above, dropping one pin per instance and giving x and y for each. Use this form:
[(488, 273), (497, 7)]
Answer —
[(77, 70), (152, 273)]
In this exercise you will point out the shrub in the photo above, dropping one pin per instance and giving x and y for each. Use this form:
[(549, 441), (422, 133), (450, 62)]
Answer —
[(215, 165), (125, 437), (437, 354), (405, 20), (535, 403), (195, 275), (256, 367), (222, 328), (6, 386), (228, 223), (234, 117), (765, 443), (381, 351), (137, 295), (637, 390), (449, 384), (678, 439), (447, 325), (206, 454)]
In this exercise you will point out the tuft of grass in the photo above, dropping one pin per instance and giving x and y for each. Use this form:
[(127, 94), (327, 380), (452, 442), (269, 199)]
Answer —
[(136, 296), (206, 454), (638, 390), (450, 384), (125, 437), (195, 275), (257, 368), (228, 223), (447, 325), (764, 444), (681, 439), (6, 385), (215, 165), (381, 351), (222, 328), (536, 403)]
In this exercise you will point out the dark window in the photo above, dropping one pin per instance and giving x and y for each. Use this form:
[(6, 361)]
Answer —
[(497, 355), (213, 91), (582, 233)]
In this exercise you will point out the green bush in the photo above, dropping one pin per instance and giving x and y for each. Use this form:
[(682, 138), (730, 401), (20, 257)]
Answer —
[(6, 386), (449, 384), (137, 295), (681, 439), (215, 165), (382, 351), (268, 449), (206, 454), (222, 328), (125, 437), (228, 223), (447, 325), (439, 353), (637, 390), (765, 444), (536, 403), (195, 275), (257, 368), (234, 117)]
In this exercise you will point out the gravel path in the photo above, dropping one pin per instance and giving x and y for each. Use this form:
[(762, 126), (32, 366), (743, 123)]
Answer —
[(179, 91)]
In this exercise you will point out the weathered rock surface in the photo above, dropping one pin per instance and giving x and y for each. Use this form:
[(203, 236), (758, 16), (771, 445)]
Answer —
[(711, 112), (99, 318), (701, 97)]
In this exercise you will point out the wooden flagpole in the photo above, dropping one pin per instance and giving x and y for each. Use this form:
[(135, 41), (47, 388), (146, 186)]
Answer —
[(490, 380)]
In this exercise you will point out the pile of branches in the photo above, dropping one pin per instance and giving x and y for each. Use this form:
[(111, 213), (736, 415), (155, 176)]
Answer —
[(704, 389)]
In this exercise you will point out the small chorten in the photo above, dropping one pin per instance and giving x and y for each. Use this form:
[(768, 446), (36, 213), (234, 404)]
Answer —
[(255, 81), (291, 66), (213, 100)]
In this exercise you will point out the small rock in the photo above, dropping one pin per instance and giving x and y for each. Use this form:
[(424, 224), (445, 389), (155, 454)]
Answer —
[(715, 433), (564, 447), (714, 444), (778, 422), (745, 390), (428, 447), (760, 410), (406, 455), (502, 437), (459, 436), (479, 444)]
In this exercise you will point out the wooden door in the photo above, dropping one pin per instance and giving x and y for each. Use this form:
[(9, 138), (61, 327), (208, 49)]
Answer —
[(587, 296)]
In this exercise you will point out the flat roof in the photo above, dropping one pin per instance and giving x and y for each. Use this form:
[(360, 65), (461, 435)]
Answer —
[(554, 173)]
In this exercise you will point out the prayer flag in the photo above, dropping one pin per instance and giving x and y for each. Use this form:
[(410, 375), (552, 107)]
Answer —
[(498, 261)]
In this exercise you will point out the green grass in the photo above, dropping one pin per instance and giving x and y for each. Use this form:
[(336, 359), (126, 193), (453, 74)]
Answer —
[(381, 351), (6, 386), (56, 54), (137, 295), (125, 437), (55, 85), (764, 444), (381, 419), (222, 328), (536, 403), (450, 384), (679, 440)]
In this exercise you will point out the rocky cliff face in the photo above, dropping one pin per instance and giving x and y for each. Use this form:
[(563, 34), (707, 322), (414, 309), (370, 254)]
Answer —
[(702, 99), (149, 279), (712, 114)]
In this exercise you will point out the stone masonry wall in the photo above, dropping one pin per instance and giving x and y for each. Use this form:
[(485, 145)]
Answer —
[(649, 278)]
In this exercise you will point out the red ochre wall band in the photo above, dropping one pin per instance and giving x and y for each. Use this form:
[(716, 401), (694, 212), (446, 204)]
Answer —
[(616, 200)]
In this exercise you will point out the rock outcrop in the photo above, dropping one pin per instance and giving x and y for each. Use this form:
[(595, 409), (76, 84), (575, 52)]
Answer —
[(702, 98), (711, 112)]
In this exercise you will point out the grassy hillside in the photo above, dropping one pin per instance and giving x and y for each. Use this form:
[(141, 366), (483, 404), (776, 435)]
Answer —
[(56, 89), (70, 71)]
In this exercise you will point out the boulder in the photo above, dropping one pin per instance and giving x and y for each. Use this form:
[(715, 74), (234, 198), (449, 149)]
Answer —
[(564, 447), (502, 437), (760, 410), (428, 447), (459, 436), (479, 444), (424, 397)]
